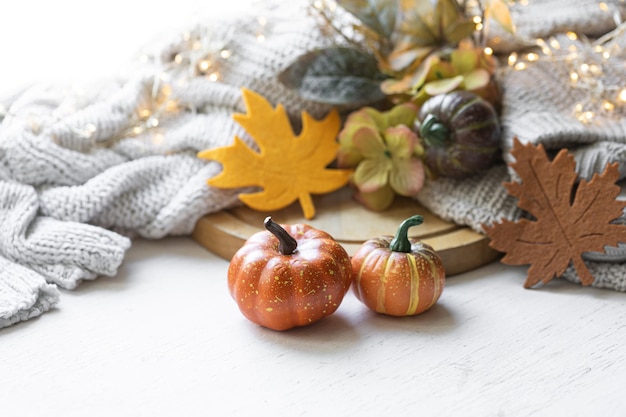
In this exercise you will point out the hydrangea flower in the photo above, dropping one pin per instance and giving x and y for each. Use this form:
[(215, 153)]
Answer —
[(385, 153)]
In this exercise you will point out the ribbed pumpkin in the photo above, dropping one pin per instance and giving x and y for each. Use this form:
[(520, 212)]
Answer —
[(398, 276), (289, 275), (460, 132)]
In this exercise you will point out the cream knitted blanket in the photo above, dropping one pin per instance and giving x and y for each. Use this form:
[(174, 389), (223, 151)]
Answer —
[(83, 173)]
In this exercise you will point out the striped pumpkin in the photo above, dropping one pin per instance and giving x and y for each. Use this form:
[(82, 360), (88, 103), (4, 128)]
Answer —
[(398, 276), (460, 132)]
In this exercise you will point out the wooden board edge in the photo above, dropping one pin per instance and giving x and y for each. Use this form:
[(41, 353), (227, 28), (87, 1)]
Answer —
[(222, 233), (461, 250)]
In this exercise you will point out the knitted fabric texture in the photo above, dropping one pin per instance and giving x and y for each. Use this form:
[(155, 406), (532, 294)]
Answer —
[(81, 173), (538, 106), (24, 294)]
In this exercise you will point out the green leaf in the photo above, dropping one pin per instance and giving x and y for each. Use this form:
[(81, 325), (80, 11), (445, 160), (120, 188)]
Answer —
[(459, 31), (434, 22), (399, 60), (476, 79), (369, 143), (501, 14), (348, 157), (378, 15), (446, 85), (411, 81), (372, 174), (464, 60), (336, 76), (418, 22), (407, 177), (455, 26), (401, 114), (377, 200), (400, 140)]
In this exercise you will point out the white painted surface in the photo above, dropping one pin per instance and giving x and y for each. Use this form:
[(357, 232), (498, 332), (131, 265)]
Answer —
[(164, 338)]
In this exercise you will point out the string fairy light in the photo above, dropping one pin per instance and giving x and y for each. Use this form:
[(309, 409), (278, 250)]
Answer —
[(594, 66), (206, 51), (202, 52), (261, 29)]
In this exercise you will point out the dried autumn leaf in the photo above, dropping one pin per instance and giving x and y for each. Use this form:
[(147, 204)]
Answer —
[(434, 22), (378, 15), (501, 14), (568, 222), (288, 167)]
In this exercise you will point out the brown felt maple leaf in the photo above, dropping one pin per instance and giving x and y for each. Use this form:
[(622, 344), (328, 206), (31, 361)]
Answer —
[(288, 167), (568, 221)]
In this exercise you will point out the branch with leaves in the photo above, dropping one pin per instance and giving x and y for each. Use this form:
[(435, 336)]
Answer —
[(388, 54), (401, 50)]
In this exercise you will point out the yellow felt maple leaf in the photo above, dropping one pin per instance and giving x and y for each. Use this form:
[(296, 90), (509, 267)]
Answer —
[(287, 167)]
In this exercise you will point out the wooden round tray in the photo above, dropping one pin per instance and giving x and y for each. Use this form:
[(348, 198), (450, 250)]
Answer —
[(337, 213)]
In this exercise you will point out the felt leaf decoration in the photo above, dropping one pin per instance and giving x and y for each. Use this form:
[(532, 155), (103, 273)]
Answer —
[(570, 220), (287, 167)]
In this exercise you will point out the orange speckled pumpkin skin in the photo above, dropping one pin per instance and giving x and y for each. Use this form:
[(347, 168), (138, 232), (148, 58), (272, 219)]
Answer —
[(397, 283), (285, 291)]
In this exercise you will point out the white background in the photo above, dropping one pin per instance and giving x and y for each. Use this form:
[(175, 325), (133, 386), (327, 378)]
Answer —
[(163, 337), (82, 40)]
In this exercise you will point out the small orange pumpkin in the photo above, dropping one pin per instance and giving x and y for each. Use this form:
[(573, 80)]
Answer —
[(289, 276), (398, 276)]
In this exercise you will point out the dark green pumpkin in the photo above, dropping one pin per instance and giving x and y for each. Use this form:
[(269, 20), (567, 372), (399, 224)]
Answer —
[(460, 132)]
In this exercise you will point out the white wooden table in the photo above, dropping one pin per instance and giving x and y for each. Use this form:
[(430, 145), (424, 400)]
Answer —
[(164, 338)]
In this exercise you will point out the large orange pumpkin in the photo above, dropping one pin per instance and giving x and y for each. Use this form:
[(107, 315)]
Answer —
[(398, 276), (289, 276)]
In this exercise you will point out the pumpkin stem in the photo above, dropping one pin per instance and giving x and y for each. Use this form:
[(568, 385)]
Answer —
[(433, 131), (286, 243), (400, 242)]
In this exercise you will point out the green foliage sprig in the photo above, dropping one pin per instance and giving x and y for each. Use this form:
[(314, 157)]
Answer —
[(402, 50)]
